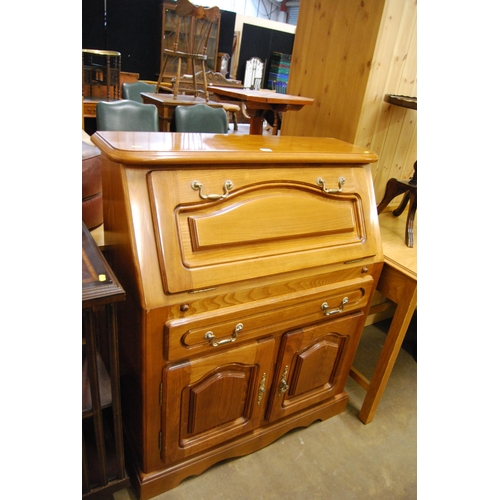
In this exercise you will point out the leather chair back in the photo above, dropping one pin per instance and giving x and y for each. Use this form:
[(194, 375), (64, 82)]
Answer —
[(200, 118), (126, 115), (132, 91)]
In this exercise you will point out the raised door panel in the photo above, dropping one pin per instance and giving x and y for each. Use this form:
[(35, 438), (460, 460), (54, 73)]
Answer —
[(243, 224), (211, 400), (313, 365)]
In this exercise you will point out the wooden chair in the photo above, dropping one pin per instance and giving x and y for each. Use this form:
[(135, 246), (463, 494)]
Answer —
[(193, 27), (200, 118), (127, 116), (395, 188)]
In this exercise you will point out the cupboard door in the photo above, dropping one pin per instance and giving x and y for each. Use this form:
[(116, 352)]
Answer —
[(211, 400), (313, 365)]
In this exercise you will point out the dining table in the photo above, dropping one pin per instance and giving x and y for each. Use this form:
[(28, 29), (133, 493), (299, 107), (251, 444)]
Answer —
[(166, 104), (258, 102)]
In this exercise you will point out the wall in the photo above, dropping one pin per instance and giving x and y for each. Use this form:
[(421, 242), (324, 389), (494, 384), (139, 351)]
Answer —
[(347, 55), (278, 36), (391, 131)]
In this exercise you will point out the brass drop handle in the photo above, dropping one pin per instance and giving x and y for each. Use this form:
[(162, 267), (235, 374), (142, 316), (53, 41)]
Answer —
[(198, 186), (328, 312), (214, 342), (283, 385), (321, 182)]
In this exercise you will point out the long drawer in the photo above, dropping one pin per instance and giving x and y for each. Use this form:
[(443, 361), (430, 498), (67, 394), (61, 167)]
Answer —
[(208, 332)]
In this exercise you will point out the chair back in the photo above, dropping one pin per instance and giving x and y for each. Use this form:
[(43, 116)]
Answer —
[(200, 118), (132, 91), (126, 115), (185, 51)]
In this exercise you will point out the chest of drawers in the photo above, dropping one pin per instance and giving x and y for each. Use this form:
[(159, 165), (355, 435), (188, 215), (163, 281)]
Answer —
[(249, 264)]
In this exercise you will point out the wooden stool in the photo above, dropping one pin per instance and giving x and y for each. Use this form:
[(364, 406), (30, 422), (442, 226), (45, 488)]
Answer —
[(408, 187)]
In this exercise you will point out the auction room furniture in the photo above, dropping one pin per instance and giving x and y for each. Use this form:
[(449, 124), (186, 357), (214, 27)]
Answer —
[(218, 80), (398, 282), (168, 35), (188, 54), (249, 263), (396, 187), (91, 186), (101, 69), (259, 101), (132, 91), (166, 104), (127, 115), (100, 79), (103, 462), (200, 118), (254, 74)]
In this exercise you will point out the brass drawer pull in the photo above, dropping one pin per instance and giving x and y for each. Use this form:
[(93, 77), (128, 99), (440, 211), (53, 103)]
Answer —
[(321, 182), (198, 186), (214, 342), (328, 312)]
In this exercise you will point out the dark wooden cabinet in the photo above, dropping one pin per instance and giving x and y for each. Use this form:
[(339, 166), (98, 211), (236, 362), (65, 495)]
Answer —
[(103, 461), (249, 263)]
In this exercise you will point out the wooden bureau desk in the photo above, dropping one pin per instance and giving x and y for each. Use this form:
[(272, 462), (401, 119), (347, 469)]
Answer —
[(398, 282), (250, 263)]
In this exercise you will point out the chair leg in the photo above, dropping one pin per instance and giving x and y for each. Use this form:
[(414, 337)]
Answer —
[(402, 205), (392, 189), (204, 75), (178, 78), (410, 219)]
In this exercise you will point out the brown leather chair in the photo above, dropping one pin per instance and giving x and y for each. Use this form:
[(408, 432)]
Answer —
[(91, 186)]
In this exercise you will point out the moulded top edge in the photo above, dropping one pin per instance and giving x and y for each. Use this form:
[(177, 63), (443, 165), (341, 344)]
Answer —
[(166, 147)]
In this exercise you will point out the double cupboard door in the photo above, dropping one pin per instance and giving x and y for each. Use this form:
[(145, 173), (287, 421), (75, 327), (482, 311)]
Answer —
[(209, 401)]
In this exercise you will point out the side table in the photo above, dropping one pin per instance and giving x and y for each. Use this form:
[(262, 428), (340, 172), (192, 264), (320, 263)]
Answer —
[(398, 282), (103, 462)]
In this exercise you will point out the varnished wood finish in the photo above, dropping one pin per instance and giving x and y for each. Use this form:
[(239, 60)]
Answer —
[(258, 101), (225, 292), (103, 461)]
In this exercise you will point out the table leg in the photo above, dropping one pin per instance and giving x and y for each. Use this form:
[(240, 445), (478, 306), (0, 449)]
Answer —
[(403, 290), (256, 124)]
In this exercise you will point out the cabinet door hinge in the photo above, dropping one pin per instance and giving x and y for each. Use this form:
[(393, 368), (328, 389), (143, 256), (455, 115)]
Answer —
[(161, 394)]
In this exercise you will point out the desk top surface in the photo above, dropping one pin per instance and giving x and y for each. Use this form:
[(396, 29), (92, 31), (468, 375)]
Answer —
[(237, 151), (264, 96), (396, 253)]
